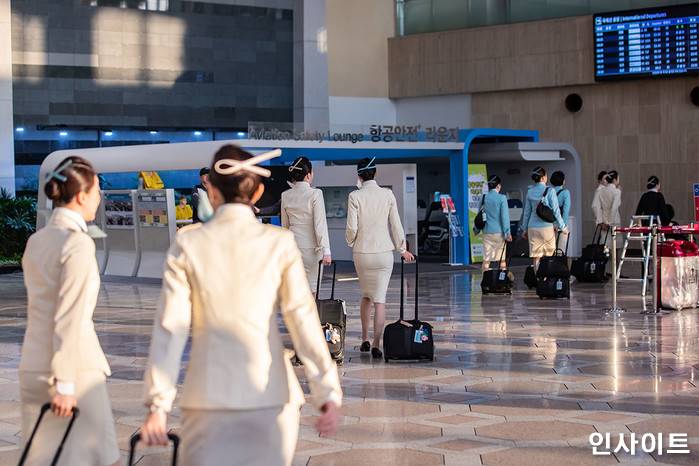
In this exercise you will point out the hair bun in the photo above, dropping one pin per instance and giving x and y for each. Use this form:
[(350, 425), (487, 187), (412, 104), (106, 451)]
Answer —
[(52, 190), (653, 181)]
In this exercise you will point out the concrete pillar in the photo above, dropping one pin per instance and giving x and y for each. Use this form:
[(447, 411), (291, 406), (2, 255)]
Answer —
[(310, 63), (7, 145)]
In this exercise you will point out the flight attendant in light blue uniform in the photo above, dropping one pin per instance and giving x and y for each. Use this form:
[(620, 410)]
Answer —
[(540, 233), (558, 180), (497, 225)]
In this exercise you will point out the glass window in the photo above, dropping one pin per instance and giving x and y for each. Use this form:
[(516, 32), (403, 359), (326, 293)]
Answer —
[(422, 16), (150, 5)]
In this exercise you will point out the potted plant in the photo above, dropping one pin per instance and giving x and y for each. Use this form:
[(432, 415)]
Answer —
[(17, 223)]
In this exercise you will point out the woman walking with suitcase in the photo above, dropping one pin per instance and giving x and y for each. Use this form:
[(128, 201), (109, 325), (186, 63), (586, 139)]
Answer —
[(226, 279), (558, 181), (541, 210), (62, 361), (369, 212), (497, 224), (303, 212)]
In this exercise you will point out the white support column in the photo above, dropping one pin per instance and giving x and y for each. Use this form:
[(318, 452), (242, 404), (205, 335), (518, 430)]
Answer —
[(310, 63), (7, 146)]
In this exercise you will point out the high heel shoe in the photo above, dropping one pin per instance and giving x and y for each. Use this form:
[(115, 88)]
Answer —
[(366, 346), (376, 353)]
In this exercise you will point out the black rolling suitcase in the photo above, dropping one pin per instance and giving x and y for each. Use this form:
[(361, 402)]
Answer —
[(555, 266), (135, 438), (408, 339), (44, 408), (591, 265), (554, 275), (552, 287), (497, 281), (530, 277), (333, 319)]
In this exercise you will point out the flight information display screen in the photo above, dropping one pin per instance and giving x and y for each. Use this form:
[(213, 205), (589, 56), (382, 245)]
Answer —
[(651, 42)]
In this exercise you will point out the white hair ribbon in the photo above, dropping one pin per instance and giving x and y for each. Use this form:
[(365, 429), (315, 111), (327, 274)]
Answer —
[(295, 166), (249, 165), (57, 172)]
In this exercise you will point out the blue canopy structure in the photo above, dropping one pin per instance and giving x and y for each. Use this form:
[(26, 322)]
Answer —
[(192, 156)]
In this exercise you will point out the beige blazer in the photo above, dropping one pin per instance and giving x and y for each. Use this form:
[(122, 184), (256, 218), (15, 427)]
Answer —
[(370, 210), (226, 279), (596, 206), (610, 201), (62, 281), (303, 212)]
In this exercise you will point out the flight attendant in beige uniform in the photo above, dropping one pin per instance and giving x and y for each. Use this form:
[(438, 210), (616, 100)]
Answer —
[(62, 360), (227, 279), (303, 212), (369, 212)]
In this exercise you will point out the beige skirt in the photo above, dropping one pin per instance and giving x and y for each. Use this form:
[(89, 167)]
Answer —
[(542, 241), (250, 437), (310, 258), (374, 272), (492, 246), (92, 440)]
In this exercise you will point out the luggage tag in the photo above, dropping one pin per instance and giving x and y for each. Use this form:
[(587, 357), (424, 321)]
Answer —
[(332, 335), (559, 285), (593, 267), (502, 276), (420, 335), (425, 335)]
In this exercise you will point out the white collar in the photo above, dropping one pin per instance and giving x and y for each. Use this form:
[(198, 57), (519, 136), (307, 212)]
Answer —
[(304, 184), (76, 217), (364, 183), (654, 190), (235, 207)]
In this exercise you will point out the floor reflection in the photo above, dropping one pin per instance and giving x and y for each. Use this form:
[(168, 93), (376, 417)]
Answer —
[(514, 377)]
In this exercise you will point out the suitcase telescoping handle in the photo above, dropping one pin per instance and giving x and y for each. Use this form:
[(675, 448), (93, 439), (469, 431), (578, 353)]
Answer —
[(320, 270), (558, 238), (44, 408), (502, 254), (597, 237), (402, 273), (135, 438)]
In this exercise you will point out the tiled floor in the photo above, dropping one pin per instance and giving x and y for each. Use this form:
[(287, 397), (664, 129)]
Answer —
[(516, 380)]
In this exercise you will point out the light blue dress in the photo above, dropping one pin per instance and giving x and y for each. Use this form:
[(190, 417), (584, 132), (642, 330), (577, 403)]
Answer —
[(497, 214), (563, 196), (529, 217)]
